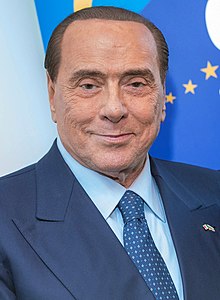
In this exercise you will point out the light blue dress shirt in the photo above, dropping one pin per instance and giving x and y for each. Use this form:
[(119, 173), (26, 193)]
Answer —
[(106, 193)]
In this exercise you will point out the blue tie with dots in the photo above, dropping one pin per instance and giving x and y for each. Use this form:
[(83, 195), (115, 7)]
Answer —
[(140, 246)]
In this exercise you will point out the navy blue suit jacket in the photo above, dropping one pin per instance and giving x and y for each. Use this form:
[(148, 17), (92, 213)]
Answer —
[(55, 245)]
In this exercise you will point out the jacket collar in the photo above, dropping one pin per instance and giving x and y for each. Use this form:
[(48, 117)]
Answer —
[(55, 183), (193, 191)]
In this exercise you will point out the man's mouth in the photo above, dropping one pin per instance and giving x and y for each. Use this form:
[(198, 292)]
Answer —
[(115, 138)]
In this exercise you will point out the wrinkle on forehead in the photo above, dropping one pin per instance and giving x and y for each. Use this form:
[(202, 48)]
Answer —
[(108, 44)]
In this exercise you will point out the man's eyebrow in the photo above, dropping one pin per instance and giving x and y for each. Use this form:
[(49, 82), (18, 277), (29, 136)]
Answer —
[(85, 74), (140, 72)]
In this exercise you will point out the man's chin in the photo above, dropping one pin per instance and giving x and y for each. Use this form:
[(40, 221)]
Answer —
[(119, 170)]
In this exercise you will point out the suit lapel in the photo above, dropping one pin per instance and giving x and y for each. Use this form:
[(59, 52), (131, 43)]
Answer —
[(75, 242), (197, 250)]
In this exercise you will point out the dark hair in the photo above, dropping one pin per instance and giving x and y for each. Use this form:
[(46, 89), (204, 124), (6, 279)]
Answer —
[(53, 53)]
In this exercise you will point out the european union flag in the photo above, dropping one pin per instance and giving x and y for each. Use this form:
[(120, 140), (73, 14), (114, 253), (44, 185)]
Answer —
[(192, 128), (191, 132)]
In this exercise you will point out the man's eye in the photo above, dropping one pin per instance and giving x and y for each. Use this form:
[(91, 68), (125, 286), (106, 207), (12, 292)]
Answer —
[(137, 84), (88, 86)]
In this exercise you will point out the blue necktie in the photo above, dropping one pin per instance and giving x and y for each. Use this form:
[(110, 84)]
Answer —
[(142, 250)]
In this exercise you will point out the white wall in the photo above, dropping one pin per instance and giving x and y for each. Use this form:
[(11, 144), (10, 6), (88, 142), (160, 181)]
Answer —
[(26, 130)]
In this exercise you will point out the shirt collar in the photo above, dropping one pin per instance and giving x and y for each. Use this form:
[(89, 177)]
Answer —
[(106, 193), (146, 187)]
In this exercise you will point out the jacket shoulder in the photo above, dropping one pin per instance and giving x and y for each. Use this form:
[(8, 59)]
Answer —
[(20, 172), (182, 168), (200, 182), (17, 191)]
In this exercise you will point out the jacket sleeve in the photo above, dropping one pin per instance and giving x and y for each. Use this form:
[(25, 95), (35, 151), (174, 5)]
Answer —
[(6, 285)]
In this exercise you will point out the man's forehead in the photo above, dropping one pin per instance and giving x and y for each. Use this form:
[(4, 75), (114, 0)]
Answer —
[(96, 34), (85, 26), (109, 45)]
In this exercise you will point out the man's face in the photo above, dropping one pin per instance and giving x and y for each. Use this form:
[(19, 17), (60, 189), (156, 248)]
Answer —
[(108, 98)]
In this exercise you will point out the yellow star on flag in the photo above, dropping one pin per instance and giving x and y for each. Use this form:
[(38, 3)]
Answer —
[(170, 98), (209, 70), (190, 87)]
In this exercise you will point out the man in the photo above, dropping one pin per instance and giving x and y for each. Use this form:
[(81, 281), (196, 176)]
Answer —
[(64, 228)]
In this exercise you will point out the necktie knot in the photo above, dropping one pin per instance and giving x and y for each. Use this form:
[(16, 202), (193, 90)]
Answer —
[(131, 206)]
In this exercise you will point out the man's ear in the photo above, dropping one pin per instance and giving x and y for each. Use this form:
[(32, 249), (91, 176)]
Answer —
[(51, 93), (163, 116)]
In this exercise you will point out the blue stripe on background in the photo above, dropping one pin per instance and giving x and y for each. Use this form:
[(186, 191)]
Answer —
[(50, 13), (136, 6)]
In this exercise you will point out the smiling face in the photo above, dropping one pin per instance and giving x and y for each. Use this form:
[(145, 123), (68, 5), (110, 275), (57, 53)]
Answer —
[(108, 99)]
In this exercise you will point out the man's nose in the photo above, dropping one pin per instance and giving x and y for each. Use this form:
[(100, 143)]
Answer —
[(113, 106)]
